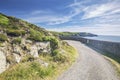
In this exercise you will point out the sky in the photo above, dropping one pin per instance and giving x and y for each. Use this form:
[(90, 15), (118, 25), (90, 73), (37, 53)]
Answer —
[(100, 17)]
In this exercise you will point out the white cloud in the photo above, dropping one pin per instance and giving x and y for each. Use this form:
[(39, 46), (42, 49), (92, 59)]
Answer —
[(78, 3), (59, 20), (40, 12), (37, 12), (49, 20), (101, 10), (76, 8)]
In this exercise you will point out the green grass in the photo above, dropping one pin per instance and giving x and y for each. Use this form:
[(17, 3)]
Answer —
[(61, 57), (115, 60), (17, 41), (27, 71), (4, 20), (61, 60), (27, 58), (115, 64), (3, 38), (1, 44), (54, 41), (35, 35)]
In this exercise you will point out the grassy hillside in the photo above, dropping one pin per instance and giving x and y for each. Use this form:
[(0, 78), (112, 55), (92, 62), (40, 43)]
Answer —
[(16, 27), (12, 33), (81, 34), (64, 33)]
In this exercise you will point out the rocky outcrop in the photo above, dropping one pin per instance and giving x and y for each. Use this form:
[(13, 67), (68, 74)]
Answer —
[(40, 47), (21, 41), (13, 53), (34, 51), (43, 47), (17, 57), (2, 62)]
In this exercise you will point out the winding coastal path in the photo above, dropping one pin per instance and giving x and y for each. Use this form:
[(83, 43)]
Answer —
[(90, 65)]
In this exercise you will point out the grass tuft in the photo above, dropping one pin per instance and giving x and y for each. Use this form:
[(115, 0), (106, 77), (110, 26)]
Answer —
[(27, 71), (4, 20), (3, 38), (115, 63)]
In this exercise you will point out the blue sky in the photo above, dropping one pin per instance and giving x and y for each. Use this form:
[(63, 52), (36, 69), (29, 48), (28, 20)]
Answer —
[(94, 16)]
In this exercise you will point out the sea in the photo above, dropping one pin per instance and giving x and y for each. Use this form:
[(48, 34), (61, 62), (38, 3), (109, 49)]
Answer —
[(105, 38)]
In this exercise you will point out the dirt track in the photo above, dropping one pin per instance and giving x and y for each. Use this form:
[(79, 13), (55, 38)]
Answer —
[(90, 65)]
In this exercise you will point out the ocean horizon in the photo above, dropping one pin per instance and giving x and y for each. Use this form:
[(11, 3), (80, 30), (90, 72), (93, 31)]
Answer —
[(105, 38)]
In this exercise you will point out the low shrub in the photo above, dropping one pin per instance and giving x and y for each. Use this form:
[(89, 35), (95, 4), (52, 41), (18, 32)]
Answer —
[(61, 57), (15, 27), (53, 40), (35, 35), (3, 38), (13, 32), (55, 52)]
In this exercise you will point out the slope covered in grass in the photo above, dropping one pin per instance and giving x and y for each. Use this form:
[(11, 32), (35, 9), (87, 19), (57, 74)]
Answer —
[(17, 37)]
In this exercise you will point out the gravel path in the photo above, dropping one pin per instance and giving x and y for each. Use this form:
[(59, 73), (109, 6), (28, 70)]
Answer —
[(2, 62), (90, 65)]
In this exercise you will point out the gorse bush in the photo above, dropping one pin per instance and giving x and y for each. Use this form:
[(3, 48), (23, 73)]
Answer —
[(3, 38)]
